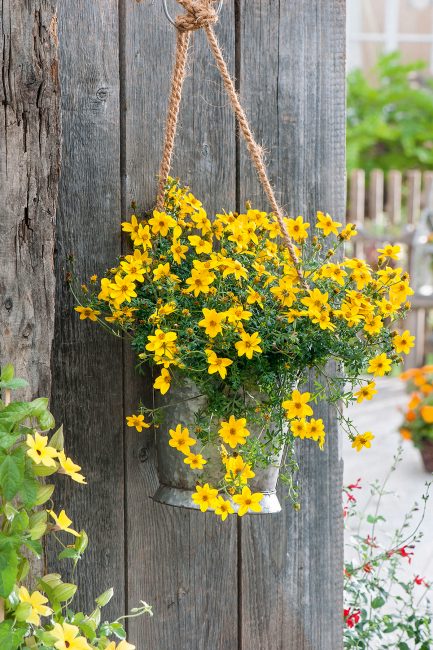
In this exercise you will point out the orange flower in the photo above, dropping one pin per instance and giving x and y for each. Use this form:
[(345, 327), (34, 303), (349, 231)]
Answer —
[(405, 434), (426, 389), (410, 416), (414, 401), (427, 414)]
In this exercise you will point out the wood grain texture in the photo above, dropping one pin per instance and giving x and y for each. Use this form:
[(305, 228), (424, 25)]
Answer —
[(184, 563), (292, 84), (87, 363), (29, 171)]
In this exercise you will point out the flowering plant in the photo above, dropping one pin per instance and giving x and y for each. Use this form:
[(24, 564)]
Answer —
[(222, 304), (41, 618), (418, 418), (384, 607)]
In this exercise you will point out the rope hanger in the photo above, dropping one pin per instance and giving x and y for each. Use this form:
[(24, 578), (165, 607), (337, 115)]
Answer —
[(201, 14)]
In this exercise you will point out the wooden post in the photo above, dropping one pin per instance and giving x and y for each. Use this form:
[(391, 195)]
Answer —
[(29, 172), (357, 207)]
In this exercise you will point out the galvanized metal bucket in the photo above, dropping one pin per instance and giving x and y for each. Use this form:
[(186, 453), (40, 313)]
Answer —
[(177, 481)]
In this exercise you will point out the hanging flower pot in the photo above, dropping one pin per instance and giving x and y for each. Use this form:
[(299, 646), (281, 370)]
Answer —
[(232, 311)]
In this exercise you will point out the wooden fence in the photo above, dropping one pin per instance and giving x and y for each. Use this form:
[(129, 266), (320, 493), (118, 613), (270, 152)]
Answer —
[(261, 583)]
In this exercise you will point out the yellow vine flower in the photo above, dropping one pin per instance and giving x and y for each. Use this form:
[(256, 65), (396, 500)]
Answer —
[(62, 522), (68, 637), (37, 604), (123, 645), (71, 469), (39, 450)]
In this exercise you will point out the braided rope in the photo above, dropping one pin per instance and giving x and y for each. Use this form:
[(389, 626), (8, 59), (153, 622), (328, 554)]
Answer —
[(201, 14)]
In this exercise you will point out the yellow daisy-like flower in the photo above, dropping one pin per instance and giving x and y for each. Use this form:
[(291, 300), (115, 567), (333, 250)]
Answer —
[(380, 365), (299, 428), (163, 382), (297, 406), (315, 302), (363, 440), (123, 645), (297, 229), (238, 470), (39, 450), (195, 461), (390, 252), (137, 421), (217, 364), (234, 431), (248, 501), (62, 522), (366, 392), (71, 469), (68, 637), (131, 226), (248, 344), (326, 224), (122, 289), (161, 223), (37, 603), (199, 282), (181, 440), (87, 312), (205, 497), (223, 508), (403, 342), (212, 322)]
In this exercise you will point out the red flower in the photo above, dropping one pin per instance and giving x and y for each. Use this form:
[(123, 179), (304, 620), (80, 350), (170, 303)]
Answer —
[(350, 497), (420, 581), (367, 568), (404, 553), (371, 541), (351, 618), (355, 486)]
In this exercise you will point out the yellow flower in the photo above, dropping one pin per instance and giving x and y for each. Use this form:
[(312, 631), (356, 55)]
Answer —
[(333, 272), (68, 637), (37, 603), (123, 645), (122, 289), (366, 392), (62, 522), (223, 508), (247, 501), (162, 383), (373, 325), (178, 250), (361, 277), (325, 223), (299, 428), (143, 237), (315, 302), (180, 439), (297, 229), (316, 431), (217, 364), (403, 342), (87, 312), (212, 322), (133, 268), (68, 467), (200, 245), (235, 314), (195, 461), (104, 294), (248, 344), (137, 421), (235, 267), (322, 319), (234, 431), (348, 232), (162, 342), (238, 470), (399, 292), (131, 226), (297, 406), (40, 452), (199, 281), (380, 365), (392, 252), (254, 297), (161, 223), (161, 271), (363, 440), (285, 292), (205, 497)]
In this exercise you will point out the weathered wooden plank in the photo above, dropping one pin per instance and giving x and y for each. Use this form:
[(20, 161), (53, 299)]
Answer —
[(29, 171), (375, 196), (87, 364), (414, 196), (357, 206), (427, 198), (394, 196), (184, 563), (292, 83)]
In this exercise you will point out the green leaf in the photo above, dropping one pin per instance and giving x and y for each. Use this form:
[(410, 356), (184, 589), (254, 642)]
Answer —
[(10, 477), (6, 635), (43, 493), (377, 602), (374, 520), (64, 592), (29, 491), (7, 372), (81, 542), (41, 470), (69, 554), (13, 384), (46, 421), (57, 440), (105, 598), (38, 406), (22, 611), (115, 628), (8, 568), (23, 569)]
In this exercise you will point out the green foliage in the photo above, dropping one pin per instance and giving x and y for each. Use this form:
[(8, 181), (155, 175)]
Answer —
[(390, 121), (40, 619), (383, 608)]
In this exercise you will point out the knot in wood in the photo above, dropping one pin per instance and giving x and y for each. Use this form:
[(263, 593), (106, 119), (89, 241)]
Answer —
[(199, 13)]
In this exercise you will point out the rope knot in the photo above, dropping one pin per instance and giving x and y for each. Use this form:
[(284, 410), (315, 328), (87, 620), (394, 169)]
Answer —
[(199, 13)]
